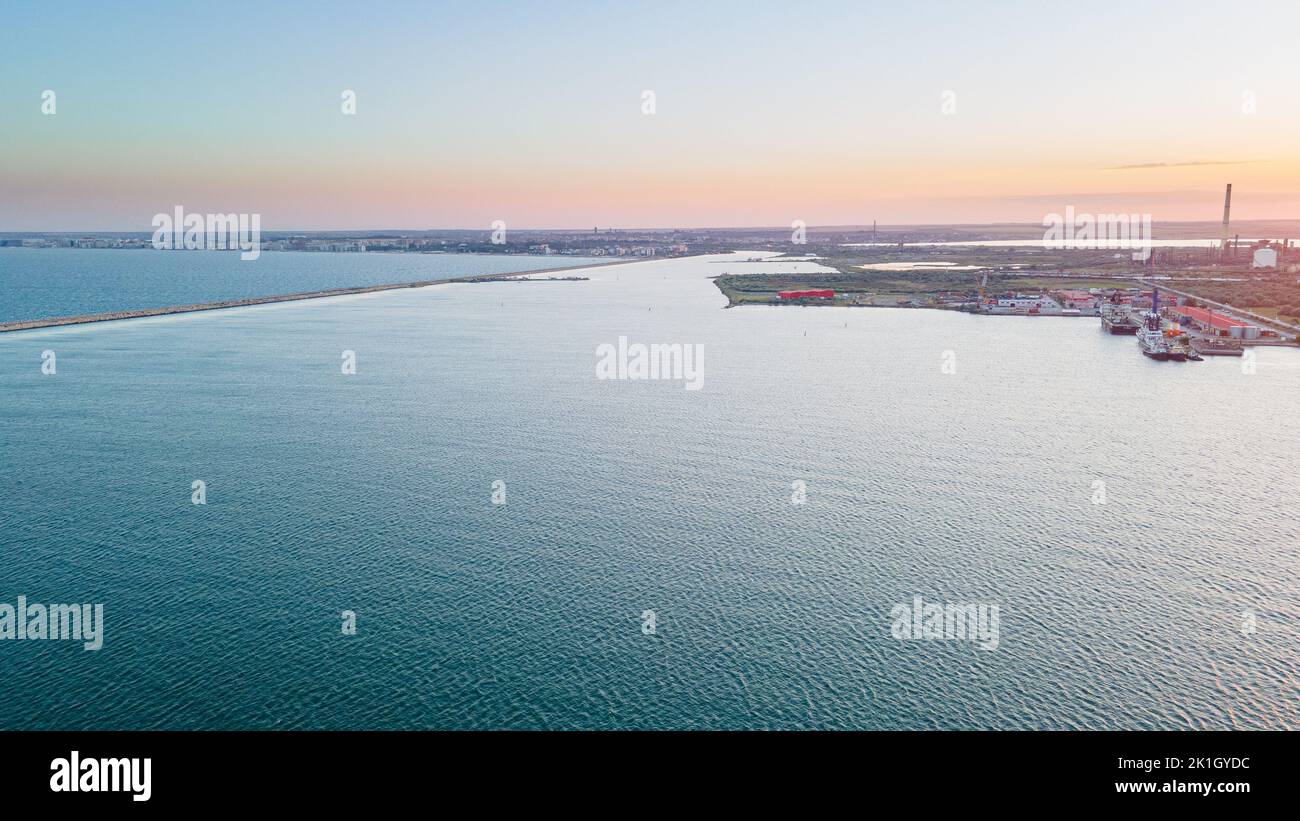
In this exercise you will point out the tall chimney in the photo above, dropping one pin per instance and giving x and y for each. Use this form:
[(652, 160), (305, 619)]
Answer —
[(1227, 209)]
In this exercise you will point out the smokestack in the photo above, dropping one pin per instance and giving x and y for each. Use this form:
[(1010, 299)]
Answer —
[(1227, 210)]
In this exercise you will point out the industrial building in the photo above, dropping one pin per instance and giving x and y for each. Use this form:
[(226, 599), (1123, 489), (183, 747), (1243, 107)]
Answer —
[(1082, 301), (1216, 324), (1036, 302), (815, 294)]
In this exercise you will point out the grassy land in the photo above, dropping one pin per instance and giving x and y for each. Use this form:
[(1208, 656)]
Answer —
[(1017, 269), (925, 288), (1290, 314), (1278, 292)]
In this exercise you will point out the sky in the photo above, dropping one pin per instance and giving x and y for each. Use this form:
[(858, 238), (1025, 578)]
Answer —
[(833, 113)]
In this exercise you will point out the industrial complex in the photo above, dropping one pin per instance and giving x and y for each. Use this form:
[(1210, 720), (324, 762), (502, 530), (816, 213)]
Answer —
[(1181, 298)]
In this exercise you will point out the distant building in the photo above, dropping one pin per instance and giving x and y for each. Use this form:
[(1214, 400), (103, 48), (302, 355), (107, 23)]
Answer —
[(1081, 301), (1025, 303), (815, 294), (1264, 258)]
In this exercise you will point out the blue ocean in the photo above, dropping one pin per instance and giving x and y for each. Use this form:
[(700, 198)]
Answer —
[(525, 545), (42, 283)]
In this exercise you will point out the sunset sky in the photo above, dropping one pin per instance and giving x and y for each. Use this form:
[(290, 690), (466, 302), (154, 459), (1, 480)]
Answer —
[(532, 113)]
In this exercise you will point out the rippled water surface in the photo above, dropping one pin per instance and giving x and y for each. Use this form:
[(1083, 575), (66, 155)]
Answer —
[(41, 283), (372, 493)]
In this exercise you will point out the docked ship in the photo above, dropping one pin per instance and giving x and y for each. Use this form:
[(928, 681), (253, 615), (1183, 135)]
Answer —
[(1180, 344), (1152, 341), (1151, 336), (1117, 316), (1177, 347)]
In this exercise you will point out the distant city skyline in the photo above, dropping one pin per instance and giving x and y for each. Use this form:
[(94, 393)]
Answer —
[(532, 113)]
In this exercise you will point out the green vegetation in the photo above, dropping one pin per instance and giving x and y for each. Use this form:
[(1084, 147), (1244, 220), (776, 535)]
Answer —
[(1286, 313), (931, 288), (1270, 291), (1020, 269), (1023, 269)]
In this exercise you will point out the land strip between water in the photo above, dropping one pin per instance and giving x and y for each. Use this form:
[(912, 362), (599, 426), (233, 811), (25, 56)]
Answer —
[(110, 316)]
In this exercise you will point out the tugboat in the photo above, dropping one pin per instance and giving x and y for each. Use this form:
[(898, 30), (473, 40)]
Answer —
[(1117, 316), (1177, 350), (1180, 345), (1151, 336)]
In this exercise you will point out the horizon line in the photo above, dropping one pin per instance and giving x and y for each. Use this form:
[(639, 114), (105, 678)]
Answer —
[(605, 230)]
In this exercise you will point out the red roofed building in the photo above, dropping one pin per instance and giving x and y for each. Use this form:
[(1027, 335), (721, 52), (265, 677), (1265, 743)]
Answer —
[(1082, 300), (1218, 323), (826, 294)]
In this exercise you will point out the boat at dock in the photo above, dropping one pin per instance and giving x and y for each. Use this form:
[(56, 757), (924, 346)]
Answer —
[(1117, 316), (1151, 336), (1180, 344), (1178, 349), (1152, 342)]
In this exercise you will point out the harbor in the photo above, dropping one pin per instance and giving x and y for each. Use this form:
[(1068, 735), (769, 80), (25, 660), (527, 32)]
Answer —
[(1221, 295)]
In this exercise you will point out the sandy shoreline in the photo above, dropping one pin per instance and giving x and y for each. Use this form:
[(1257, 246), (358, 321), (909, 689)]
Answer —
[(111, 316)]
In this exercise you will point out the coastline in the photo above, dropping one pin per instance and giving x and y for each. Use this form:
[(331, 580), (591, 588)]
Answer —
[(113, 316), (935, 290)]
